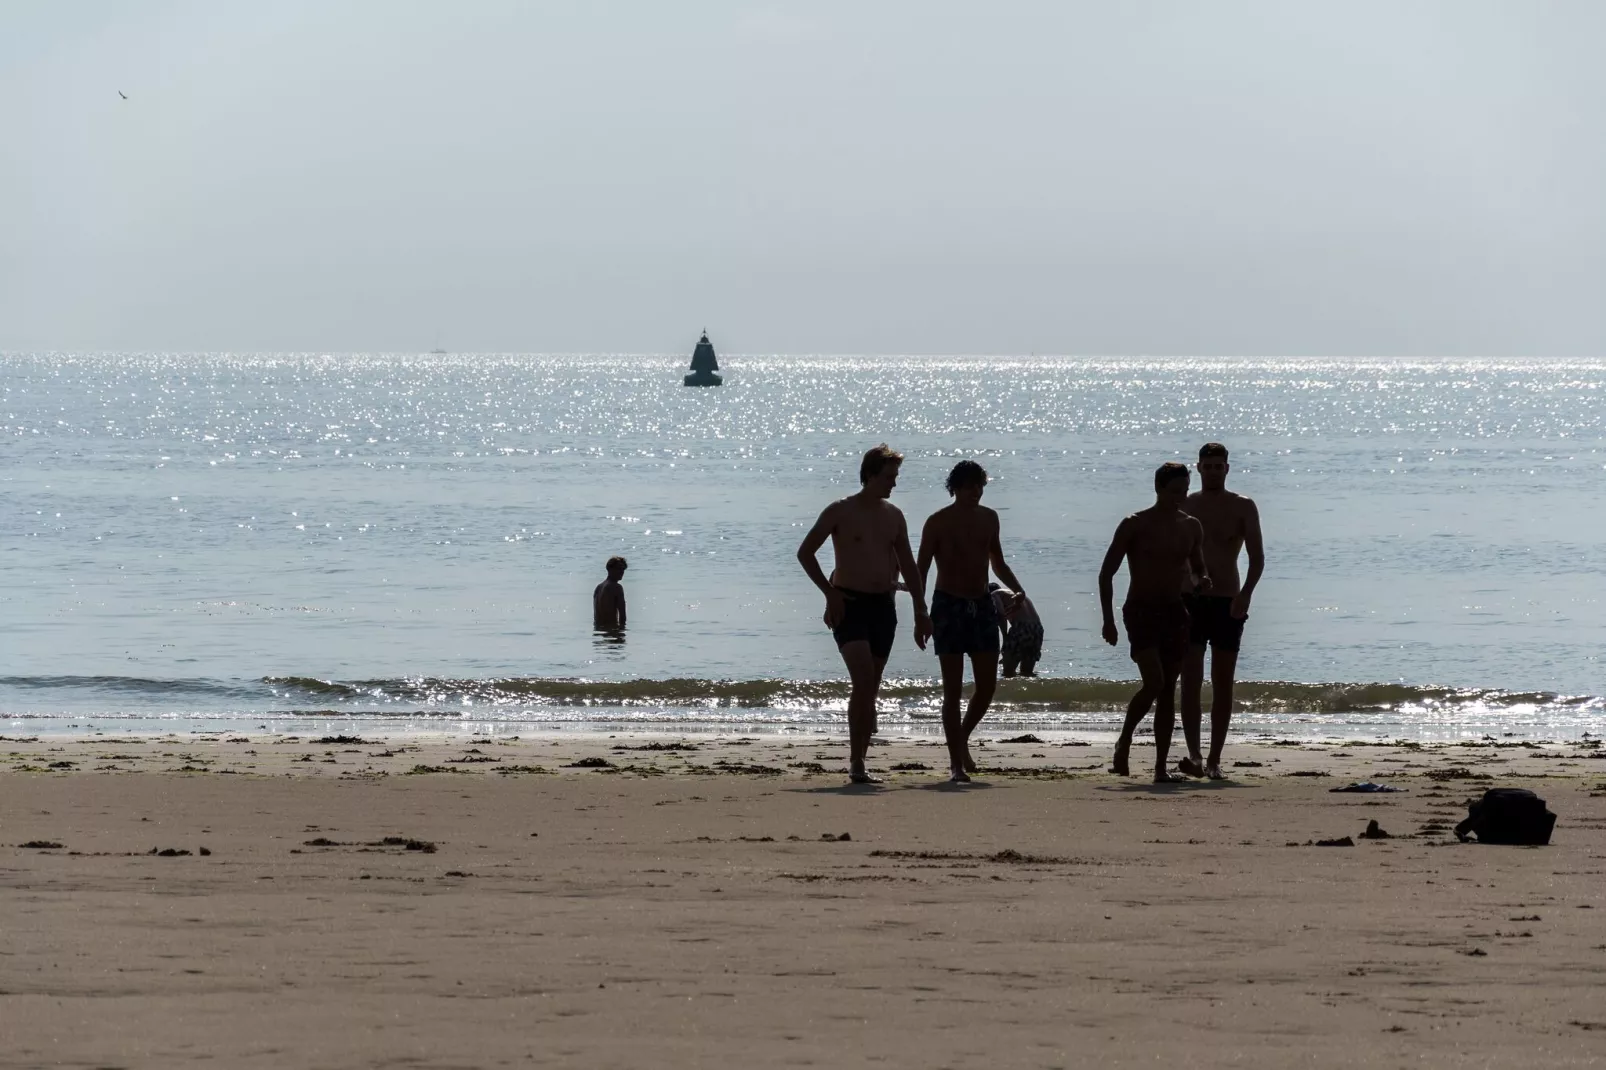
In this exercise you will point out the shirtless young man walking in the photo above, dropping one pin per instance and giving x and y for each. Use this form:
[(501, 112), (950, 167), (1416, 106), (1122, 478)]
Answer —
[(871, 541), (963, 539), (1231, 525), (1158, 545)]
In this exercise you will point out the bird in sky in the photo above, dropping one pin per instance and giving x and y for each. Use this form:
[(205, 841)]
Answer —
[(122, 94)]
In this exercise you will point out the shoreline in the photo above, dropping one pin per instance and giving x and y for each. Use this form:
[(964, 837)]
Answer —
[(358, 751)]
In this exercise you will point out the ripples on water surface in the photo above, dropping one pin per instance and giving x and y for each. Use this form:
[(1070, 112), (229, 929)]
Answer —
[(199, 523)]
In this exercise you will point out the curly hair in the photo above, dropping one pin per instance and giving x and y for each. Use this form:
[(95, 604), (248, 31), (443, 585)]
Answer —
[(966, 474)]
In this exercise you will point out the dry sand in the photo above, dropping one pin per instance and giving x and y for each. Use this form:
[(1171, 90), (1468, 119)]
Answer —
[(732, 905)]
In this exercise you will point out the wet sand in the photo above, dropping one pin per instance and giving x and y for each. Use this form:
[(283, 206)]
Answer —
[(457, 902)]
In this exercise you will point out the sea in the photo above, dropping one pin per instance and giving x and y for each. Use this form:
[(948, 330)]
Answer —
[(284, 541)]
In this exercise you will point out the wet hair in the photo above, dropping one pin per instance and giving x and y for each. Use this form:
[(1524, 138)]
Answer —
[(1212, 449), (875, 459), (966, 474), (1167, 472), (617, 563)]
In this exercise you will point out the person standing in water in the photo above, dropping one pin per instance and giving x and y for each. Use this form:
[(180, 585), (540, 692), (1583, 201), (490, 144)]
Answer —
[(608, 599), (1158, 544), (1231, 525), (870, 539), (963, 539)]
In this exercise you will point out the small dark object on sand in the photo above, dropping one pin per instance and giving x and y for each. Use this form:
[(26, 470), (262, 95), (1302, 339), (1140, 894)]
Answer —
[(1027, 738), (1514, 816), (321, 841), (911, 767), (411, 844), (590, 763), (355, 741), (205, 851), (1308, 772), (1374, 831), (1342, 841), (1247, 765), (41, 845), (169, 852), (1367, 787), (842, 838)]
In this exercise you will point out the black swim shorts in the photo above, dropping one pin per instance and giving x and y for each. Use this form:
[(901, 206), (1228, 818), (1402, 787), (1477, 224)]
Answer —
[(963, 625), (1157, 624), (869, 617), (1211, 623)]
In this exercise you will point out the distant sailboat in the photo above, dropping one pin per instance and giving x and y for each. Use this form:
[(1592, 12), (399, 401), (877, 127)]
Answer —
[(704, 364)]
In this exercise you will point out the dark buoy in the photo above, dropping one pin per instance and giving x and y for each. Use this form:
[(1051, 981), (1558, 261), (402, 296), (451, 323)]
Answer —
[(704, 364)]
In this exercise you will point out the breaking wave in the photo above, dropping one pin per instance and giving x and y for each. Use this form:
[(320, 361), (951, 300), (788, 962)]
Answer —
[(1068, 695)]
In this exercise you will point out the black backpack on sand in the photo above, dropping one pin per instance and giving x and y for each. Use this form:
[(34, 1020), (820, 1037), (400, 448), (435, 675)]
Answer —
[(1508, 815)]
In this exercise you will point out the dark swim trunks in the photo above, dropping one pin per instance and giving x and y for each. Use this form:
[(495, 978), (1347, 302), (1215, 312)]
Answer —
[(1159, 624), (1024, 641), (1210, 621), (871, 618), (963, 625)]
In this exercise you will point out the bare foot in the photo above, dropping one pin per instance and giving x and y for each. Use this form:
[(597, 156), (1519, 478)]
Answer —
[(861, 776), (1119, 765), (1192, 767), (958, 776), (1214, 772)]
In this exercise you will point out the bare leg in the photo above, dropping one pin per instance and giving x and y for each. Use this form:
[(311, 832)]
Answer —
[(865, 672), (1010, 667), (1192, 714), (953, 730), (1028, 666), (1148, 662), (1165, 719), (984, 667), (1223, 666)]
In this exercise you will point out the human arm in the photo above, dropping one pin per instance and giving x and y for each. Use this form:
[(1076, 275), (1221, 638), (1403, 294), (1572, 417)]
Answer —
[(1112, 564), (928, 549), (1001, 568), (619, 600), (1196, 558), (1257, 560), (916, 579), (806, 556)]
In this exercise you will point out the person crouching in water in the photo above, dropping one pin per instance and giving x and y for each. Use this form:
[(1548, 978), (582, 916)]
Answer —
[(1023, 631), (963, 539)]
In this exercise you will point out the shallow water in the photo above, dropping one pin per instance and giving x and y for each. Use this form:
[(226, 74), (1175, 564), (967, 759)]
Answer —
[(189, 532)]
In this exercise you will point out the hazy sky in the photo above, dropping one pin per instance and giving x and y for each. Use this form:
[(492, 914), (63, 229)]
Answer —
[(1003, 177)]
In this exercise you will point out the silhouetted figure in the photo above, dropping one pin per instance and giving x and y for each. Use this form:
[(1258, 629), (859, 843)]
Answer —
[(1157, 545), (608, 600), (704, 364), (1231, 525), (963, 539), (870, 539), (1023, 632)]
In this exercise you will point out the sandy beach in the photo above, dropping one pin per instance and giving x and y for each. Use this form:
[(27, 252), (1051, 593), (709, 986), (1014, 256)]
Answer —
[(451, 902)]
